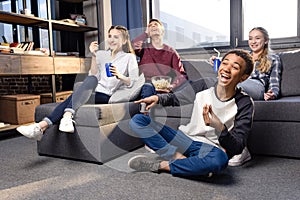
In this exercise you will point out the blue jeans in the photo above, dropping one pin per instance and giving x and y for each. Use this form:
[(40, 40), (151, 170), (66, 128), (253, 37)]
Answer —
[(254, 88), (201, 158), (148, 90), (79, 97)]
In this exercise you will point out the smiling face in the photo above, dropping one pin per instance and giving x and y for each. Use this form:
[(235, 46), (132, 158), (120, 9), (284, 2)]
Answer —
[(155, 29), (231, 71), (115, 40), (257, 41)]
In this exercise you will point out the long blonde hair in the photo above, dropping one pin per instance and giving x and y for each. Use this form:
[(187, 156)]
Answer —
[(264, 61), (127, 47)]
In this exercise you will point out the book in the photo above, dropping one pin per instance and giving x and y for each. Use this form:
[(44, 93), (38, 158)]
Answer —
[(16, 50)]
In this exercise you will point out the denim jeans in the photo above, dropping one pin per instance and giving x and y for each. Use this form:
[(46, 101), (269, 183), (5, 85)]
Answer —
[(79, 97), (148, 90), (202, 158), (254, 88)]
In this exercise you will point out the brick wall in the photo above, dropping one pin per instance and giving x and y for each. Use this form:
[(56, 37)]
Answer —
[(27, 84)]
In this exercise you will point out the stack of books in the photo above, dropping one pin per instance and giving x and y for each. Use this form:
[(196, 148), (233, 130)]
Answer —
[(22, 47)]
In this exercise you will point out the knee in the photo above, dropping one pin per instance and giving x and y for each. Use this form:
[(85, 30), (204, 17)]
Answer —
[(139, 120), (219, 163)]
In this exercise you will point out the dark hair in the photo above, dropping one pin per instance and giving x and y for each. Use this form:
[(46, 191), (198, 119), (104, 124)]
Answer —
[(246, 56), (127, 47), (155, 20)]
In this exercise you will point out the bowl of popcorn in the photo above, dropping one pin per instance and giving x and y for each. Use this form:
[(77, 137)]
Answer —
[(161, 82)]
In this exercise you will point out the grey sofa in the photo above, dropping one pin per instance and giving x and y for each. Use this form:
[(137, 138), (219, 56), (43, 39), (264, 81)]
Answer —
[(276, 123), (101, 133)]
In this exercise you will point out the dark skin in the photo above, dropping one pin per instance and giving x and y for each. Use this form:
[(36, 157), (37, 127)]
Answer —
[(231, 72)]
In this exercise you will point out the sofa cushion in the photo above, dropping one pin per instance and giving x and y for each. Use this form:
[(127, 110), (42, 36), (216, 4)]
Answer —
[(285, 109), (94, 115), (105, 113), (198, 69), (290, 73)]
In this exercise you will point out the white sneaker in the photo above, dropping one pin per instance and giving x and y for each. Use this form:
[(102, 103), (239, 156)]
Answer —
[(240, 159), (149, 149), (66, 125), (32, 131)]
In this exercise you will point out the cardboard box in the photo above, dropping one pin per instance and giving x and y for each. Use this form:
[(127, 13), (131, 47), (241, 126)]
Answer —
[(60, 97), (19, 108)]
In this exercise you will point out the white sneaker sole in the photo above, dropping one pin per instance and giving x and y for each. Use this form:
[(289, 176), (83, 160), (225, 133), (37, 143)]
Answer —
[(134, 157), (235, 164)]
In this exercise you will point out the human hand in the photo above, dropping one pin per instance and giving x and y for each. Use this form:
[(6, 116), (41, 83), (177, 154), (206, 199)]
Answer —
[(93, 47), (138, 45), (115, 71), (269, 95), (147, 31), (211, 60), (210, 119), (150, 101)]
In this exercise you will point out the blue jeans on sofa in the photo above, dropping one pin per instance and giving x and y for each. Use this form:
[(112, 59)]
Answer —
[(80, 96)]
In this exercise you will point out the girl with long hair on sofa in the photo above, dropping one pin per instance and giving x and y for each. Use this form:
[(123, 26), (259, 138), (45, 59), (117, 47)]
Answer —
[(264, 82), (124, 69)]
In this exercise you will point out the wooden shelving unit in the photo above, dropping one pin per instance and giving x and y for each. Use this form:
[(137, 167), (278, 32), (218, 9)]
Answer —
[(21, 19), (14, 64)]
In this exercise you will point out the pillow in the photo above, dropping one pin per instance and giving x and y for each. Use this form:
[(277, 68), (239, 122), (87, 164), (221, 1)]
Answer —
[(198, 69), (128, 94), (290, 80)]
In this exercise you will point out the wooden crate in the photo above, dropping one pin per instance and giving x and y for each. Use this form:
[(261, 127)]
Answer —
[(18, 109), (60, 97)]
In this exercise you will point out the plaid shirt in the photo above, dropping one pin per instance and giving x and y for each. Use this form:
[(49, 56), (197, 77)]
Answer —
[(272, 78)]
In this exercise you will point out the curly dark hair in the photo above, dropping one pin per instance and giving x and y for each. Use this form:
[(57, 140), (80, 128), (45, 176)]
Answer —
[(246, 56)]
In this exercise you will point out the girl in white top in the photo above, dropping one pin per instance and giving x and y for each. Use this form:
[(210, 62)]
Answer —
[(124, 69)]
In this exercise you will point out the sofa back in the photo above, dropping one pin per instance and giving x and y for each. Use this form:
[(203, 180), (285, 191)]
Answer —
[(290, 79), (198, 69)]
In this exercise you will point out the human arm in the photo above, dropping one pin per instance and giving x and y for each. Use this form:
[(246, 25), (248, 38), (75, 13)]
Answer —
[(235, 139), (178, 68), (150, 101), (127, 71), (138, 42), (274, 80), (212, 120), (93, 48)]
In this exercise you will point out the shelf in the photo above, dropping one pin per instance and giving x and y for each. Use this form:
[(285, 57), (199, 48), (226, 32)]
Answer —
[(20, 19), (64, 26), (42, 65)]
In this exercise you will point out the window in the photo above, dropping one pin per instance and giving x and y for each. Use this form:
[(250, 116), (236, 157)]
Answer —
[(18, 33), (277, 16), (198, 20), (226, 23), (179, 34)]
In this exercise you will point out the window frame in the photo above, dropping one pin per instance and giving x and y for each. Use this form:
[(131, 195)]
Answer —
[(236, 30)]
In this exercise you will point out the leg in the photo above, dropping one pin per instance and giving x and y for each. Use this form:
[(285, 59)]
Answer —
[(162, 139), (83, 93), (198, 158), (254, 88), (147, 90), (74, 101), (101, 98), (202, 159)]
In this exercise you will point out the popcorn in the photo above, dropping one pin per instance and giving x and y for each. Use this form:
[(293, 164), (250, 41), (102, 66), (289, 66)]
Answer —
[(161, 82)]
